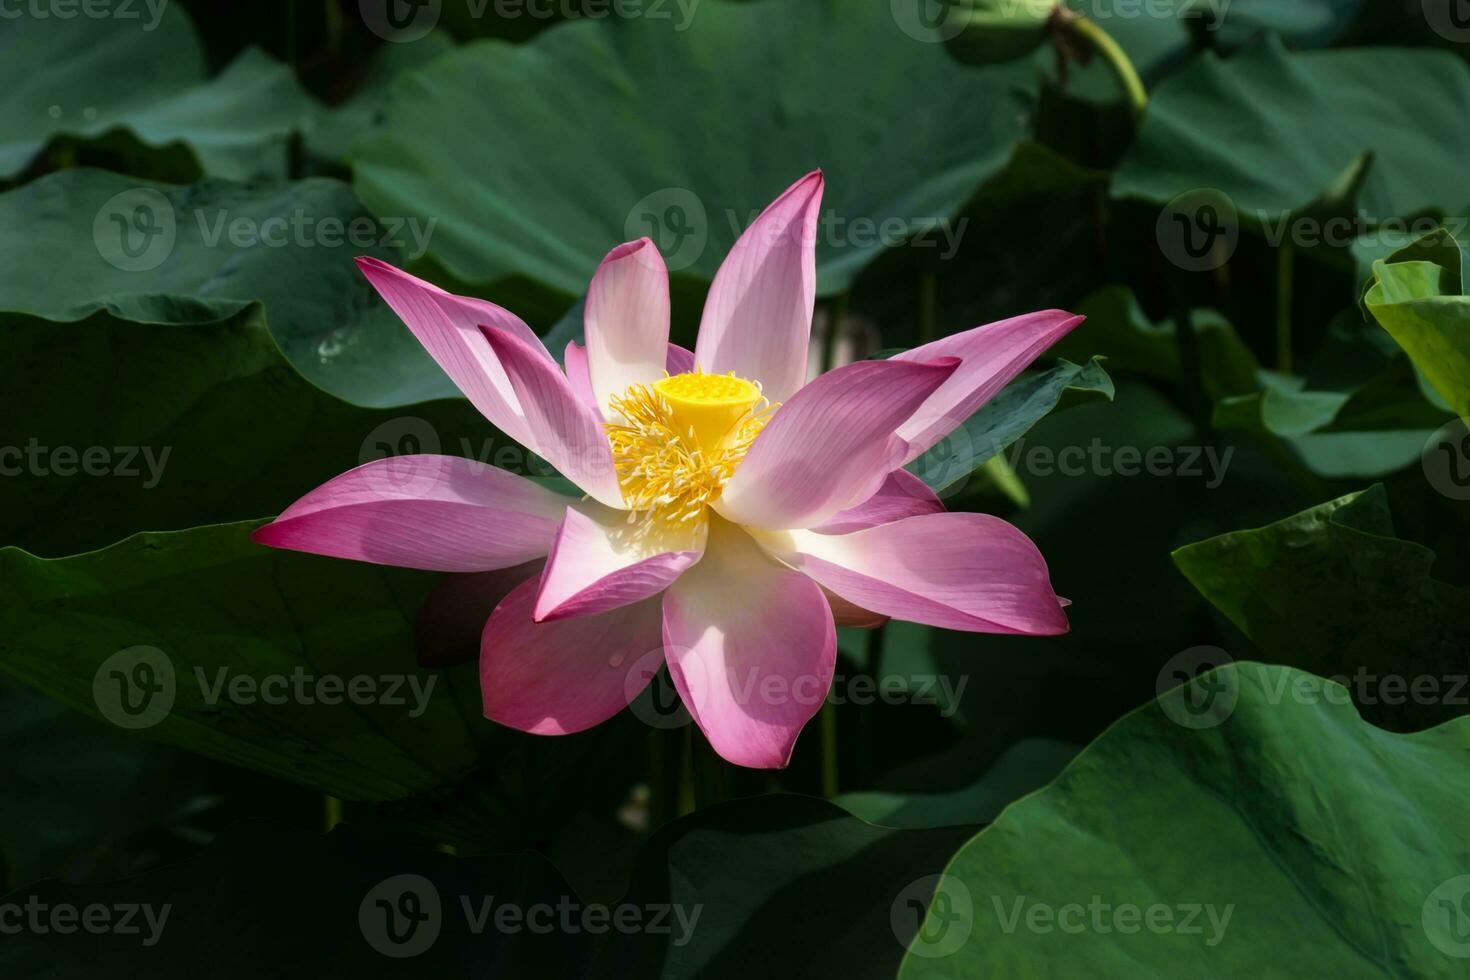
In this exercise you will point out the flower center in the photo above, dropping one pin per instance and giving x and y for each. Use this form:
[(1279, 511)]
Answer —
[(680, 440)]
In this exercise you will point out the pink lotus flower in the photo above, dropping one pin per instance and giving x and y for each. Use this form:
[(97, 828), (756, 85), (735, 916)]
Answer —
[(733, 514)]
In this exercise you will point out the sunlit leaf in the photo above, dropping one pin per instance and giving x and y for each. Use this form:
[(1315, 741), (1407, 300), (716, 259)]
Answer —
[(1247, 823)]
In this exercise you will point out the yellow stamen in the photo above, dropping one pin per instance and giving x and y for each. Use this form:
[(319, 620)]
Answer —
[(710, 404), (680, 439)]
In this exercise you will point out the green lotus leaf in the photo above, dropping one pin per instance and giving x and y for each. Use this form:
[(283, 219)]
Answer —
[(1417, 294), (1313, 114), (648, 126), (292, 665), (149, 253), (1248, 823), (1332, 590), (1006, 418), (135, 83)]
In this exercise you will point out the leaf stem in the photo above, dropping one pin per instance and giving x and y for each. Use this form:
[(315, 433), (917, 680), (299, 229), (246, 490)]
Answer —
[(836, 313), (291, 45), (1285, 271), (712, 782), (1191, 369), (926, 306), (686, 802), (331, 812), (656, 773), (1102, 42), (828, 720), (876, 646), (332, 11)]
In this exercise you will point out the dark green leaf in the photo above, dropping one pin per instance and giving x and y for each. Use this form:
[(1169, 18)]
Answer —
[(1023, 768), (365, 110), (76, 788), (138, 84), (1246, 824), (1309, 118), (206, 641), (634, 126), (770, 874), (1117, 329), (1416, 294), (1331, 590), (158, 254), (1007, 417), (1302, 23), (113, 426), (264, 901)]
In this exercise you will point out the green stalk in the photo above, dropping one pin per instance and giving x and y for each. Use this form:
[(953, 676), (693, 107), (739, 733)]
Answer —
[(828, 722), (656, 773), (712, 783), (332, 13), (876, 637), (926, 306), (1191, 370), (836, 313), (686, 801), (858, 755), (331, 811), (293, 54), (1285, 269), (1117, 60)]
